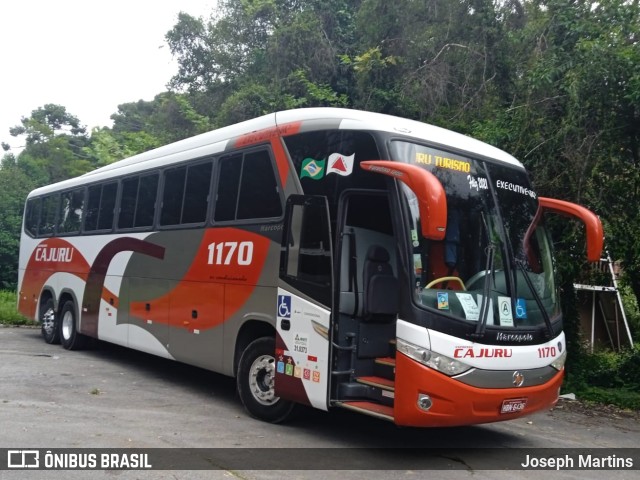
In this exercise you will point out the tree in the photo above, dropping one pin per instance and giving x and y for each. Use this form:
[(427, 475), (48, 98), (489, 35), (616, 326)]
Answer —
[(54, 145), (264, 55), (15, 184), (47, 122)]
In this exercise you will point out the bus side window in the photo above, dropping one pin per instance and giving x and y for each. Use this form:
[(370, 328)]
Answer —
[(247, 188), (185, 195), (172, 195), (31, 216), (71, 211), (47, 223), (138, 201), (101, 203), (146, 204), (259, 196), (196, 198), (229, 171)]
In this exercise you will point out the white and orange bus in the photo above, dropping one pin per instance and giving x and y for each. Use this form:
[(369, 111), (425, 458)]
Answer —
[(324, 257)]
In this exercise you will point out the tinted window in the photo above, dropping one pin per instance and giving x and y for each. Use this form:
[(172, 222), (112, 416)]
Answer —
[(172, 196), (107, 206), (327, 162), (71, 208), (196, 198), (146, 205), (48, 215), (227, 193), (259, 196), (31, 216), (306, 263), (100, 207), (186, 194), (128, 202), (137, 205), (247, 188)]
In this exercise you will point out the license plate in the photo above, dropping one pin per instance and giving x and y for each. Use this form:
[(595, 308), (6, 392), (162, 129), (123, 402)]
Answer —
[(513, 405)]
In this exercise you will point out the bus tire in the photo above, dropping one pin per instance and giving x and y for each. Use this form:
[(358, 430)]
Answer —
[(49, 321), (70, 338), (255, 380)]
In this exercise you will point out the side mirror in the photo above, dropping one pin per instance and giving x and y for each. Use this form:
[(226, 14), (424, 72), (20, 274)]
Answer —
[(595, 232), (432, 200)]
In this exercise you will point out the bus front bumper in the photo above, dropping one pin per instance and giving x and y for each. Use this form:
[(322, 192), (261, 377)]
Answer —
[(452, 403)]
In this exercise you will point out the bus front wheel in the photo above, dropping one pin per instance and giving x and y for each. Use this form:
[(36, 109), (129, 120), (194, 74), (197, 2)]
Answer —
[(70, 338), (255, 380)]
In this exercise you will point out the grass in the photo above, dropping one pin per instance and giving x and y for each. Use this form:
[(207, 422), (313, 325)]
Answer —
[(8, 310)]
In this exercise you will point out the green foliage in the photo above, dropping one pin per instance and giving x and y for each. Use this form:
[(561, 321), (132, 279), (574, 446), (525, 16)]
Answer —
[(14, 187), (54, 145), (630, 303), (46, 122), (8, 310), (606, 377)]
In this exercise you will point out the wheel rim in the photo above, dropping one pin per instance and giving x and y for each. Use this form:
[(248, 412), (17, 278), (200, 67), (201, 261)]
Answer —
[(48, 321), (261, 380), (67, 325)]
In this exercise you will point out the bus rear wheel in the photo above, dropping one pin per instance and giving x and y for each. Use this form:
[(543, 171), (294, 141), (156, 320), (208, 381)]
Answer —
[(69, 336), (255, 380), (50, 330)]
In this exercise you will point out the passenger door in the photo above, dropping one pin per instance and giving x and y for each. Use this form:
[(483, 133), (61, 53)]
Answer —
[(304, 303)]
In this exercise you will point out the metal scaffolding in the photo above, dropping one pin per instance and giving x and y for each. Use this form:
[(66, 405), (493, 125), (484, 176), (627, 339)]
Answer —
[(602, 298)]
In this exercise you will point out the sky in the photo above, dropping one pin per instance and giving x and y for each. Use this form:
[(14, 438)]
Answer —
[(86, 55)]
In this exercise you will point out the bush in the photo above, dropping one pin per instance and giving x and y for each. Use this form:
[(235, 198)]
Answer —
[(9, 311), (606, 377)]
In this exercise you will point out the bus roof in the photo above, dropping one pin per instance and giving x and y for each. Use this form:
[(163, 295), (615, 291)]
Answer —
[(216, 141)]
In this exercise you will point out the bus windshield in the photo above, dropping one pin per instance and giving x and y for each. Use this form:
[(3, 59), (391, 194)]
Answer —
[(495, 263)]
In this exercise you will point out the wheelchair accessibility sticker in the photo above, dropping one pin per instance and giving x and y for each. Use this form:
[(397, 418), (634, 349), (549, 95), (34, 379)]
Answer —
[(284, 306), (521, 308)]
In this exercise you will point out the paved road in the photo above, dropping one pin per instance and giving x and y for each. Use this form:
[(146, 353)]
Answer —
[(110, 397)]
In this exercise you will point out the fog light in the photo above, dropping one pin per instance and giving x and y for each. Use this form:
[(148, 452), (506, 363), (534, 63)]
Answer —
[(424, 402)]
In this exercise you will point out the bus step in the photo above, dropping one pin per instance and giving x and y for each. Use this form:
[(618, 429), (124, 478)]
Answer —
[(385, 367), (386, 361), (369, 408), (379, 382)]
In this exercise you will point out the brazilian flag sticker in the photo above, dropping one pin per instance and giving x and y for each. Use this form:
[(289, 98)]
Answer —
[(312, 168)]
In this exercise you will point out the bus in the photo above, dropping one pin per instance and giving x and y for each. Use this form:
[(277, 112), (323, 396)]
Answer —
[(324, 257)]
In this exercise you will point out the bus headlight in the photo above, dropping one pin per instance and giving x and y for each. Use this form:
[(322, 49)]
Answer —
[(431, 359), (558, 363)]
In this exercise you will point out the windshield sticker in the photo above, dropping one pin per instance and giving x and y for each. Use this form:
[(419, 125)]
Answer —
[(490, 317), (504, 308), (443, 301), (521, 308), (340, 164), (477, 183), (443, 162), (469, 305), (504, 185), (312, 168)]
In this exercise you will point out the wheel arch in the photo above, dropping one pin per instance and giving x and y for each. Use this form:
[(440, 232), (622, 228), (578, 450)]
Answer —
[(47, 293), (66, 295), (250, 330)]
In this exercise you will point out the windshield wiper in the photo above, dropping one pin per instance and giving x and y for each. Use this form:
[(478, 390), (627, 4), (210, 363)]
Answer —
[(486, 299), (536, 297)]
